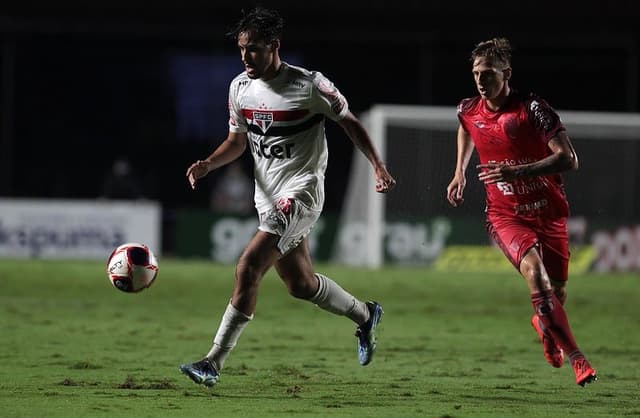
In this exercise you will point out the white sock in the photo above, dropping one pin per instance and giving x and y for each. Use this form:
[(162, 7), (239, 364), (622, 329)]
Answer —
[(231, 326), (331, 297)]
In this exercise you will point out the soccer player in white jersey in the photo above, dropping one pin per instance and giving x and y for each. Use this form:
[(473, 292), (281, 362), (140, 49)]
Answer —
[(278, 112)]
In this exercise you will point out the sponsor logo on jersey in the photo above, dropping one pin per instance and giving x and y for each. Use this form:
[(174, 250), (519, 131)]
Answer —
[(530, 208), (263, 120), (542, 116), (263, 149), (297, 83), (338, 105)]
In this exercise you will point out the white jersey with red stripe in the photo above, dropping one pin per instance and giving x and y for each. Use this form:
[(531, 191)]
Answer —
[(284, 120)]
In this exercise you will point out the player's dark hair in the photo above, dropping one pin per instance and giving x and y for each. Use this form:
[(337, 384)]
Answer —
[(264, 24), (497, 49)]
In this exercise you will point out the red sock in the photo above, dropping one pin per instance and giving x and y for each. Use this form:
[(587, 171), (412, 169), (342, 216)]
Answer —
[(554, 318)]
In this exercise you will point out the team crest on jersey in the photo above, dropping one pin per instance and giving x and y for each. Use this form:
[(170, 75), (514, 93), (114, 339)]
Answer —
[(263, 120)]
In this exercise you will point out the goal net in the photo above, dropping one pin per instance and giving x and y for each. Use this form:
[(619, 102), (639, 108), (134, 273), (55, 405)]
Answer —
[(414, 223)]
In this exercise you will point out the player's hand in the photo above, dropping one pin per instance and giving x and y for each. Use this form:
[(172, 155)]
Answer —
[(494, 173), (384, 181), (196, 171), (455, 190)]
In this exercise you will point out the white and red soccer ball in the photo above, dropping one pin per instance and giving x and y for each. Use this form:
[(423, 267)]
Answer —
[(132, 267)]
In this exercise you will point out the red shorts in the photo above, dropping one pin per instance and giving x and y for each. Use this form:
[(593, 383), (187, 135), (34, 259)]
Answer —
[(517, 236)]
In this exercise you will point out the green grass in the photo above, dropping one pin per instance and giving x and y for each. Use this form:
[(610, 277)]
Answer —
[(451, 345)]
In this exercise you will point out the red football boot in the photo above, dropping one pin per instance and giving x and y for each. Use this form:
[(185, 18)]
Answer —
[(553, 353), (584, 372)]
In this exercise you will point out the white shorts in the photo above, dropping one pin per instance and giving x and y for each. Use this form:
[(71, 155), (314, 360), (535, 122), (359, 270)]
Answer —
[(289, 219)]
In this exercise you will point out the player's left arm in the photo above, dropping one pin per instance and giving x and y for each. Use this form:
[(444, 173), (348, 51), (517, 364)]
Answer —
[(562, 158), (359, 136)]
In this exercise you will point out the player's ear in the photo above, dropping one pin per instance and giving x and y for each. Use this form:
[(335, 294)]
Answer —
[(507, 73)]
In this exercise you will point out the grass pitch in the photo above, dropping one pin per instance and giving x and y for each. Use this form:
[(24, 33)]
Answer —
[(450, 345)]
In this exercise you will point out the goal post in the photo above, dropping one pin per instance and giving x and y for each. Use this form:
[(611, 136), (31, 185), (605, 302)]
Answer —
[(361, 225), (419, 145)]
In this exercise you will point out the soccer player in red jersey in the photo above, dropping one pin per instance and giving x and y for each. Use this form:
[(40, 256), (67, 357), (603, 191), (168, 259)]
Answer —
[(523, 147)]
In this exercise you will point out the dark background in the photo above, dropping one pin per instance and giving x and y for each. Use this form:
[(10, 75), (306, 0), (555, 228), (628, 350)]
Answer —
[(84, 83)]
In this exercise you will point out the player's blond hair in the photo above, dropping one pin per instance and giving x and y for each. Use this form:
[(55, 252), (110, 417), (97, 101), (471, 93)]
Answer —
[(497, 49)]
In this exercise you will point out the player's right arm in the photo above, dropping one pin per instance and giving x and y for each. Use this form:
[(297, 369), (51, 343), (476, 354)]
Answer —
[(232, 147), (230, 150), (455, 190)]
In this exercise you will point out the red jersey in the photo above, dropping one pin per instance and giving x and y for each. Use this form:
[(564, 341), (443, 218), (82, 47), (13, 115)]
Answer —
[(517, 134)]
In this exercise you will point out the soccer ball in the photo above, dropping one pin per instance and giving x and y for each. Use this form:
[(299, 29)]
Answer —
[(132, 267)]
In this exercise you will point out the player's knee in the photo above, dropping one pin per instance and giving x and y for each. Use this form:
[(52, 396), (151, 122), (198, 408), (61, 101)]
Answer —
[(532, 272), (247, 275)]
